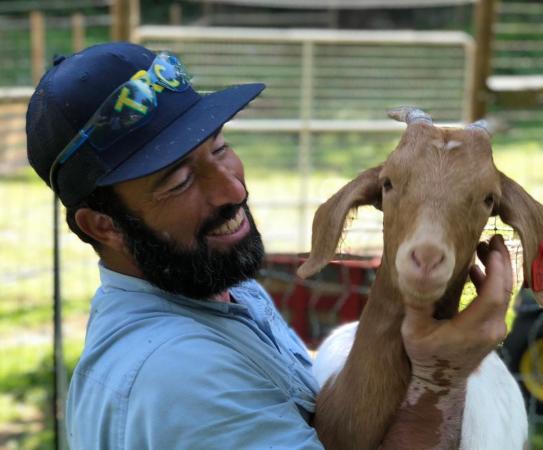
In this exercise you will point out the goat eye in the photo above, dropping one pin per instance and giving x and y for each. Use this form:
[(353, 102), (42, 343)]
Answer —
[(489, 200), (387, 184)]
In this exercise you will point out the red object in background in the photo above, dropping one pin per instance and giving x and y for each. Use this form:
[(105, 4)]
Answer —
[(537, 270), (315, 306)]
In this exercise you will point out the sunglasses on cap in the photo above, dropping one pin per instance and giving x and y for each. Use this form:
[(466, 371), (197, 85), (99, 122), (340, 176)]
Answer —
[(127, 108)]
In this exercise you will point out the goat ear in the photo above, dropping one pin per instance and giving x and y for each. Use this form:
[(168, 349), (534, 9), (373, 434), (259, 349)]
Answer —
[(330, 218), (518, 209)]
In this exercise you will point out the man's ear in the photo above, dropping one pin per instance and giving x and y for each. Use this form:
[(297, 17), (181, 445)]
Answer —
[(100, 227), (518, 209)]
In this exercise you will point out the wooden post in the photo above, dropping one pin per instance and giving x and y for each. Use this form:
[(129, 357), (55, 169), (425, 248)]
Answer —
[(134, 18), (37, 39), (485, 15), (125, 18), (333, 18), (176, 13), (78, 32), (207, 13), (119, 20)]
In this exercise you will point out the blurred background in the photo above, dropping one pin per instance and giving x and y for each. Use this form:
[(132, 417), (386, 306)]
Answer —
[(332, 69)]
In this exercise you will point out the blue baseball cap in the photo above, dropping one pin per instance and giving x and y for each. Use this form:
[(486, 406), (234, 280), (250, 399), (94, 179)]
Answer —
[(69, 94)]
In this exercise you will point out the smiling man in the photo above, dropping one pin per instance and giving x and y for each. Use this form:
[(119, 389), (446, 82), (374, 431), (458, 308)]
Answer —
[(184, 350)]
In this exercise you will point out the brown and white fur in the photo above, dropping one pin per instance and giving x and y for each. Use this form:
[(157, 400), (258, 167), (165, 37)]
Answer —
[(437, 190)]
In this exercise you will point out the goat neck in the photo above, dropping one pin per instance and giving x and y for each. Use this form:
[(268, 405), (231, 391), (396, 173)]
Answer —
[(376, 379), (377, 371)]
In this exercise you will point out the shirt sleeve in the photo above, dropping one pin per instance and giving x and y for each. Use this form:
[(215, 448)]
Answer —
[(197, 393)]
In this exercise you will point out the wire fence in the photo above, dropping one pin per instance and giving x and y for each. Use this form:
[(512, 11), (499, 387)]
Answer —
[(519, 36), (61, 35)]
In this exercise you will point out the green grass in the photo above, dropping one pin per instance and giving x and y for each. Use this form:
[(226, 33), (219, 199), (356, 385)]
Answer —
[(537, 440), (26, 386), (272, 176)]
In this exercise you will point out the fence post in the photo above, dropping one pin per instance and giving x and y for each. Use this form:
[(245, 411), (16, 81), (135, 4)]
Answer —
[(134, 18), (207, 13), (125, 18), (485, 15), (78, 32), (60, 387), (119, 25), (176, 13), (37, 42)]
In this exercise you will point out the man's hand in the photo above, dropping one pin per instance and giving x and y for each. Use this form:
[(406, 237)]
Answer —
[(445, 352)]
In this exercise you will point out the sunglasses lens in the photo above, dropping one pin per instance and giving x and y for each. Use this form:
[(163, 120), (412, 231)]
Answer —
[(168, 71), (128, 108)]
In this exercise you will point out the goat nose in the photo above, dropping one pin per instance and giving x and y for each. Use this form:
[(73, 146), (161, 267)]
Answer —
[(427, 257)]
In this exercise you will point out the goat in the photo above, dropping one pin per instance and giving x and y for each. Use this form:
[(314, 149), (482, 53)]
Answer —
[(441, 187)]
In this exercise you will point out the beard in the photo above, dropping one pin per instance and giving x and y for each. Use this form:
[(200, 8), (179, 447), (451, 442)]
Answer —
[(199, 272)]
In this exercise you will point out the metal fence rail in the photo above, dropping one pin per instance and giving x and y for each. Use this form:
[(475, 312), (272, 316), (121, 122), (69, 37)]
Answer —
[(329, 74)]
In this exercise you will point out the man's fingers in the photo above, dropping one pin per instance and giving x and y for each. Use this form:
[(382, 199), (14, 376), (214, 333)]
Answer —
[(494, 295), (494, 285), (497, 244), (477, 276), (483, 251)]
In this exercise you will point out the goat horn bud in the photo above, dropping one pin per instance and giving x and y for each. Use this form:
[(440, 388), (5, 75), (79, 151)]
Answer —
[(479, 125), (409, 115)]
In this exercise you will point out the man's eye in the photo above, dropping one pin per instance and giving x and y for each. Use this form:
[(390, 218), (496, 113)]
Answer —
[(221, 149), (182, 185)]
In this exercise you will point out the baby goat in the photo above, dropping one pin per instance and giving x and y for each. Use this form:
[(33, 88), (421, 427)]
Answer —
[(437, 190)]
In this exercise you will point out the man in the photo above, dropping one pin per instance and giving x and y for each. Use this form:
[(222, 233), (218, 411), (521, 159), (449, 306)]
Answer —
[(184, 350)]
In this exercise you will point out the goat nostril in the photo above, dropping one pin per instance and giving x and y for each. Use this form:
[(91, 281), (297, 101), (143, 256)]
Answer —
[(427, 257), (415, 259)]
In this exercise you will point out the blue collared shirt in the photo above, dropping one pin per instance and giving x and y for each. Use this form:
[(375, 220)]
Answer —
[(163, 372)]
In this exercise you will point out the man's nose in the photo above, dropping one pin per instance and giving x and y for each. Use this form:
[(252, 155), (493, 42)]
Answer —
[(223, 186)]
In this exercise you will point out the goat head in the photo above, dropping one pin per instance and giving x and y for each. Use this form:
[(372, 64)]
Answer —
[(437, 190)]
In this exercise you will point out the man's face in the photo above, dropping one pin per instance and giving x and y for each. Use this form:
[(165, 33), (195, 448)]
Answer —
[(188, 227)]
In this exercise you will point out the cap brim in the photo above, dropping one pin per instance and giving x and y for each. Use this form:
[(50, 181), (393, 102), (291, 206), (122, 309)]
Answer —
[(185, 133)]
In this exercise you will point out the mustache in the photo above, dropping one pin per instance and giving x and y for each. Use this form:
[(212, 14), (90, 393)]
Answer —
[(221, 216)]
